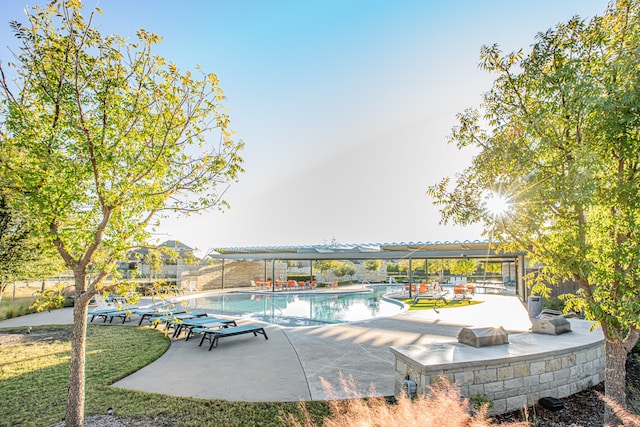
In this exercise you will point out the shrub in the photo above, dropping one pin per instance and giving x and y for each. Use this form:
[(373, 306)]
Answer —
[(553, 303), (299, 277), (15, 308), (443, 405)]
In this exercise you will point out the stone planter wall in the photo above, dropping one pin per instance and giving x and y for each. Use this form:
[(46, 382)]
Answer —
[(510, 378)]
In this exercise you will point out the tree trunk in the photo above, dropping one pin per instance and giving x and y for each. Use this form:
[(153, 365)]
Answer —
[(615, 374), (75, 397)]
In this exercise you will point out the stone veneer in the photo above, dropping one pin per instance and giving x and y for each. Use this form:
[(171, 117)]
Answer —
[(512, 375), (237, 274)]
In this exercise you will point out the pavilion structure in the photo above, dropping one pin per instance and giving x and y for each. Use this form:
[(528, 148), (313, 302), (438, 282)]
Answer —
[(411, 251)]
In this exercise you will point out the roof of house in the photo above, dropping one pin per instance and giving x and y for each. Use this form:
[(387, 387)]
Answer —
[(175, 244)]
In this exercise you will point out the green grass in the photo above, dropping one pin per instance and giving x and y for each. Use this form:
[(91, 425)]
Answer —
[(34, 372), (425, 304)]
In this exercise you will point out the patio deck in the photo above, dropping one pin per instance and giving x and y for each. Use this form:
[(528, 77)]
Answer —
[(290, 365)]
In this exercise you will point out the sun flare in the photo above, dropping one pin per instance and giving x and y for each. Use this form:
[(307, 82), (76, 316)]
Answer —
[(496, 204)]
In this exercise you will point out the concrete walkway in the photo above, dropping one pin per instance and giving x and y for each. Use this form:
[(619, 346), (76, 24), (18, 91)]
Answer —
[(292, 364)]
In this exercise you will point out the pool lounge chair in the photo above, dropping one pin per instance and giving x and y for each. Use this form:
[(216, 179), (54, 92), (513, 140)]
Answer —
[(103, 306), (101, 312), (430, 292), (431, 295), (213, 335), (148, 313), (123, 314), (199, 322), (206, 323), (174, 319)]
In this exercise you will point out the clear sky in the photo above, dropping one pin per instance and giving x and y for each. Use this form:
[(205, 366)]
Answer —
[(344, 105)]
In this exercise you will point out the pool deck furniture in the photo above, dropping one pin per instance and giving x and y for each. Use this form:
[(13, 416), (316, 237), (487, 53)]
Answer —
[(101, 312), (212, 324), (213, 335), (123, 314), (490, 287), (199, 322), (413, 287), (172, 320), (461, 292), (297, 357), (148, 315), (431, 295)]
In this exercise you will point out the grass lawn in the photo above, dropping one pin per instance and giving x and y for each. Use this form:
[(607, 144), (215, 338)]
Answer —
[(34, 372), (425, 304)]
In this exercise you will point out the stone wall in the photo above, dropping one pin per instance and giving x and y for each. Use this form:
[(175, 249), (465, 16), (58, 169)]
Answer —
[(237, 274), (520, 377)]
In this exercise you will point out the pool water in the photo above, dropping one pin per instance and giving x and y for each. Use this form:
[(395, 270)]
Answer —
[(303, 309)]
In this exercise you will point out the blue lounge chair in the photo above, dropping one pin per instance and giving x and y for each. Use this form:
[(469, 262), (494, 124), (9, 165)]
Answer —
[(172, 320), (122, 314), (201, 322), (149, 313), (101, 312), (213, 335)]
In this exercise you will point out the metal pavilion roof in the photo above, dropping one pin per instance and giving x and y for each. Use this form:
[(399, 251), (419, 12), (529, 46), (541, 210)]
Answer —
[(401, 250)]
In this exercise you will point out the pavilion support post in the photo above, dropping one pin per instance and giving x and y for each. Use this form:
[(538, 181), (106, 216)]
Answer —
[(410, 277), (222, 275), (273, 275), (521, 290), (426, 270)]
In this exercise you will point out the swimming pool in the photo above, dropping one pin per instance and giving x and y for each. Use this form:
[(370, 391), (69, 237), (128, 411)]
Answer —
[(303, 309)]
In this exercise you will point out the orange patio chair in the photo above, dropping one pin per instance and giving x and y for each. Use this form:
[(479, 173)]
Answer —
[(461, 292), (413, 287)]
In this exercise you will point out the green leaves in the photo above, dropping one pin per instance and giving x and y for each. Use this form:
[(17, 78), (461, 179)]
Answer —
[(559, 134), (101, 135), (98, 138)]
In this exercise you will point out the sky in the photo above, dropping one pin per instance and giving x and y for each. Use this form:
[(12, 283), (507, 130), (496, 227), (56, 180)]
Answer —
[(344, 106)]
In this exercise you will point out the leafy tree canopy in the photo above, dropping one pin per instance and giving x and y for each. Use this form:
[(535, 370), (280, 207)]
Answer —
[(22, 257), (558, 140), (463, 267), (344, 268), (100, 138), (372, 264)]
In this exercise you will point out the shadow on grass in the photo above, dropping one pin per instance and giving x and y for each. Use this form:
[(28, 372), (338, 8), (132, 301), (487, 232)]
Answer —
[(35, 370), (33, 390)]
